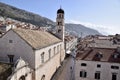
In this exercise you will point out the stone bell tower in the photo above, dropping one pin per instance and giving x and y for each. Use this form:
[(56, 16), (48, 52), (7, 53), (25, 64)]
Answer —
[(60, 24)]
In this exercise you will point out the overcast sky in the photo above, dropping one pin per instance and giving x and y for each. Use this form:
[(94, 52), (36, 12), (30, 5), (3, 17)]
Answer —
[(102, 15)]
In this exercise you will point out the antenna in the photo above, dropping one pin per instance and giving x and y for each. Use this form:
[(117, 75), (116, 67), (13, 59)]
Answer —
[(60, 4)]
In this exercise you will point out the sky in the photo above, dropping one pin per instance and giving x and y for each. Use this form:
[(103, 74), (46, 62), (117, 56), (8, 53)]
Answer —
[(102, 15)]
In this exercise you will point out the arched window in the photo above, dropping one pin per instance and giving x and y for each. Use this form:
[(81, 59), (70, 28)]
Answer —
[(54, 50), (22, 78), (43, 77), (49, 51), (42, 57), (58, 49), (60, 46)]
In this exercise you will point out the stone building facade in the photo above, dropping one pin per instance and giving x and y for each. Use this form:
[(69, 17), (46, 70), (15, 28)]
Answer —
[(21, 71), (97, 64), (43, 51)]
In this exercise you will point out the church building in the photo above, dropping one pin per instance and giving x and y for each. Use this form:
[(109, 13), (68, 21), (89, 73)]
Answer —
[(42, 51)]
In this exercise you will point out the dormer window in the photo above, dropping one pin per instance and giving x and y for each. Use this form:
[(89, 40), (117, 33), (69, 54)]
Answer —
[(99, 55), (116, 55)]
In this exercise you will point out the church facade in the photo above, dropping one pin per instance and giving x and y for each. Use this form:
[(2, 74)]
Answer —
[(43, 51)]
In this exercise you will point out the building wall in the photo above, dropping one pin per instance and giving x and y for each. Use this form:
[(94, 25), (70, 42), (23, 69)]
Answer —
[(12, 44), (49, 66), (71, 44), (19, 48), (91, 68), (60, 25), (21, 69)]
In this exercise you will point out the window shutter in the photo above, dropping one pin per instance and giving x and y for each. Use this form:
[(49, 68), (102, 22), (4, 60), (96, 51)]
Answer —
[(85, 74), (95, 75), (98, 75), (80, 73)]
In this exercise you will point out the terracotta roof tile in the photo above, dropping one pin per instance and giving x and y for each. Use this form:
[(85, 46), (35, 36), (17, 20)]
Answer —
[(107, 55)]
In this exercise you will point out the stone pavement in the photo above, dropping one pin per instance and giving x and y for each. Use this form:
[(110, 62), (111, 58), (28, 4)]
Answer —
[(66, 71)]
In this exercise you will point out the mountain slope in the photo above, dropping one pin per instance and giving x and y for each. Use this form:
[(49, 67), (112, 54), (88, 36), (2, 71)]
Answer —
[(80, 30), (25, 16), (22, 15)]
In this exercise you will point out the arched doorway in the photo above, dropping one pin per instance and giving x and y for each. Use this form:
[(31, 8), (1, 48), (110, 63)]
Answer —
[(43, 77), (22, 78)]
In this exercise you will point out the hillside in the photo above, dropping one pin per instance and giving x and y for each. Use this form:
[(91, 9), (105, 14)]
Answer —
[(22, 15), (80, 30), (25, 16)]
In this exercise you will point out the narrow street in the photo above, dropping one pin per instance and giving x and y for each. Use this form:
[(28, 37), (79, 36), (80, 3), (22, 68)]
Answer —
[(67, 72)]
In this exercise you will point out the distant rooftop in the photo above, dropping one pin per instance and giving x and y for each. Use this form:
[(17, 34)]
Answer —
[(99, 54), (69, 38), (103, 44)]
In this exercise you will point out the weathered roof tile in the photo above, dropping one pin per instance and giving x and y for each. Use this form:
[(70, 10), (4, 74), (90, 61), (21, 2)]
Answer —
[(37, 39)]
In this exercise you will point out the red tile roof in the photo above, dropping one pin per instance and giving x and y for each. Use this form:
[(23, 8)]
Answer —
[(99, 54)]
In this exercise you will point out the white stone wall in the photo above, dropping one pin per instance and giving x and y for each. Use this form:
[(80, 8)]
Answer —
[(91, 68), (71, 44), (21, 69), (18, 48), (50, 65), (60, 26), (10, 26), (105, 37)]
